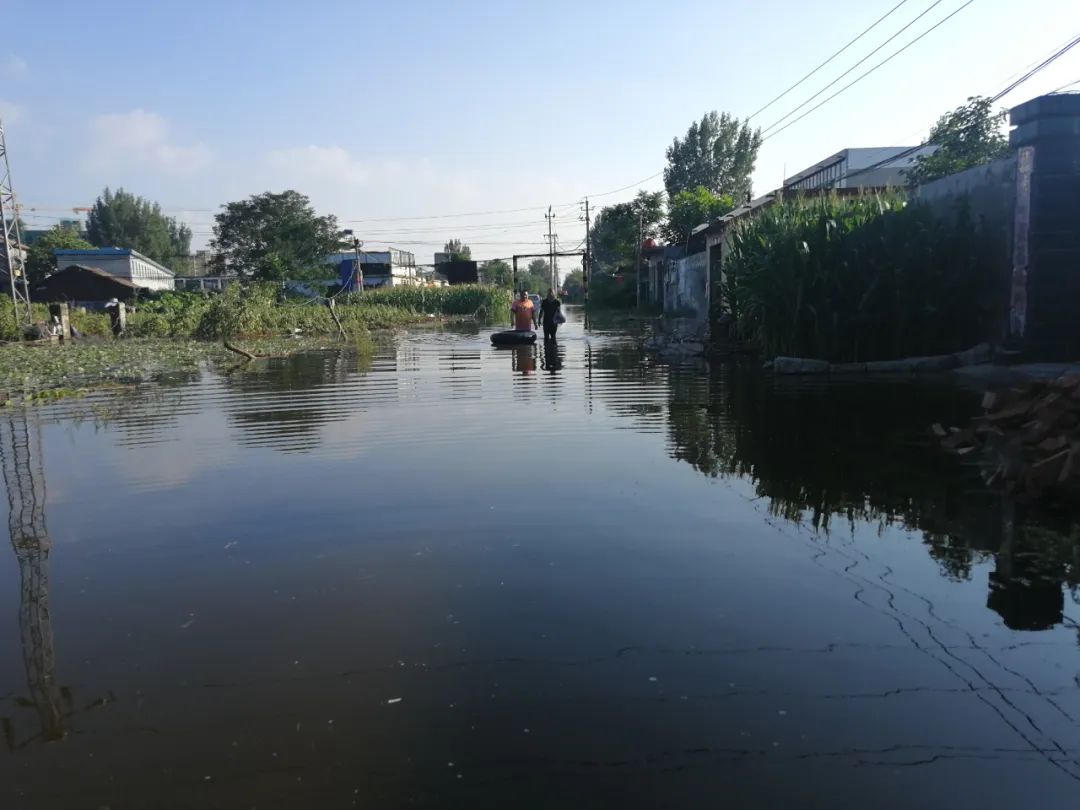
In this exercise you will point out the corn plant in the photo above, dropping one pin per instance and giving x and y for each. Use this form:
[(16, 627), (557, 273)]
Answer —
[(862, 278)]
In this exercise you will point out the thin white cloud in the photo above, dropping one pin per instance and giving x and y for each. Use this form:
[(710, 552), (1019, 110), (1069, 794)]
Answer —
[(11, 113), (318, 163), (142, 139), (15, 67)]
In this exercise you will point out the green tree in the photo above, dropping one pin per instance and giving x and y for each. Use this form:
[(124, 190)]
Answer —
[(536, 278), (574, 284), (458, 251), (275, 236), (718, 153), (615, 229), (497, 272), (970, 135), (39, 258), (121, 219), (688, 209)]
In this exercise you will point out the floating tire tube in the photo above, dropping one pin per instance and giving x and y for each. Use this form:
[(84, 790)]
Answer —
[(513, 338)]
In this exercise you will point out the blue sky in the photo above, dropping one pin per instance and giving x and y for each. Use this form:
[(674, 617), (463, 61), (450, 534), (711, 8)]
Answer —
[(386, 111)]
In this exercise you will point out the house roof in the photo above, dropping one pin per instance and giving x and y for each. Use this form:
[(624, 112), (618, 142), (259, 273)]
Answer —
[(113, 251), (82, 268)]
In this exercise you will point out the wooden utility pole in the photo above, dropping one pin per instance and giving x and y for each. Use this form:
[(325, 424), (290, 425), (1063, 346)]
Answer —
[(637, 266), (359, 268), (586, 263), (551, 246)]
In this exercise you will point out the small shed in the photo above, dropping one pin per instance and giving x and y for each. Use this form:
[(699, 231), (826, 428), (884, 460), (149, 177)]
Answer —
[(79, 284)]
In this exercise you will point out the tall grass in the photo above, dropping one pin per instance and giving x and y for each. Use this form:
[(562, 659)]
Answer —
[(863, 278), (464, 299), (257, 310)]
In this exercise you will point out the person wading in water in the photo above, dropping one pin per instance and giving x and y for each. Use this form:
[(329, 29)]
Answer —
[(551, 314), (523, 313)]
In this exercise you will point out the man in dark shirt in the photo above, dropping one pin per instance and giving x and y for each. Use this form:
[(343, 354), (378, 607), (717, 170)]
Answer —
[(550, 314)]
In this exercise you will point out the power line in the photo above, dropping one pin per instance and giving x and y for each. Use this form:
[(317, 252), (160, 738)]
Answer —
[(823, 64), (1042, 65), (1070, 84), (780, 120), (1061, 51), (862, 76)]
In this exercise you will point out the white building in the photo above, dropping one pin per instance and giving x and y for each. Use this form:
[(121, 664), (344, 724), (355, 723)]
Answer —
[(124, 263), (863, 167), (382, 268)]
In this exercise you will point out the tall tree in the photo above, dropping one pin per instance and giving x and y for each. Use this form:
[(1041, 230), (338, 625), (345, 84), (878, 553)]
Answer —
[(457, 250), (121, 219), (574, 284), (688, 209), (40, 260), (497, 273), (536, 278), (273, 237), (718, 153), (970, 135), (615, 229)]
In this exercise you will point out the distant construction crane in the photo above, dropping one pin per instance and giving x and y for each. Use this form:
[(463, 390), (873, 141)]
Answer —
[(12, 260)]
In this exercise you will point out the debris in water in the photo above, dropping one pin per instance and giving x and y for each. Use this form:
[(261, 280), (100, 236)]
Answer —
[(394, 700), (230, 544), (652, 678), (782, 713)]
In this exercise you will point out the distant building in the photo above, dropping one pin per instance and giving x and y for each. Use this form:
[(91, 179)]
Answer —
[(204, 283), (381, 268), (30, 236), (123, 263), (869, 168)]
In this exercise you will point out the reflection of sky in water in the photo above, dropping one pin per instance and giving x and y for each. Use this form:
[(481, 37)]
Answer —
[(615, 554)]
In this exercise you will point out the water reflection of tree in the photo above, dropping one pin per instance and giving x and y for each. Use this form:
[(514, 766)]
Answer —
[(277, 402), (818, 452)]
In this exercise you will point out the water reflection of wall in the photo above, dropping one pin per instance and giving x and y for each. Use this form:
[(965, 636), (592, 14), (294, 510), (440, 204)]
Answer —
[(821, 451)]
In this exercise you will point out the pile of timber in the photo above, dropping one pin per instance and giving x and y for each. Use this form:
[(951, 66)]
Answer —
[(1032, 436)]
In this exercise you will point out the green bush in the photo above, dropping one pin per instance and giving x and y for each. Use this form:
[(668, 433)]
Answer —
[(865, 278)]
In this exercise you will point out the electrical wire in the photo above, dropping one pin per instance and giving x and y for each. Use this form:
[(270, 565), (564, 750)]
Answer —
[(827, 61), (1061, 51), (1042, 65), (862, 76), (783, 118)]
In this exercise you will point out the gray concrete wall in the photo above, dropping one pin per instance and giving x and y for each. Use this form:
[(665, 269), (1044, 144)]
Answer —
[(989, 192), (685, 292)]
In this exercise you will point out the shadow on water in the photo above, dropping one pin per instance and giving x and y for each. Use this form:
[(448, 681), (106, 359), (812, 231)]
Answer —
[(819, 453), (409, 602)]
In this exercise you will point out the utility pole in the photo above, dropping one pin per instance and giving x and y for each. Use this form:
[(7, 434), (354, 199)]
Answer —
[(637, 266), (356, 243), (11, 257), (586, 262), (555, 266), (551, 246)]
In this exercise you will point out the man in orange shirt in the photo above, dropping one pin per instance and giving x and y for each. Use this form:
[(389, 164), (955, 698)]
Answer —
[(522, 310)]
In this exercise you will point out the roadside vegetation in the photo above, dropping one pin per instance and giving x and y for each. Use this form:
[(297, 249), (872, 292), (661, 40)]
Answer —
[(870, 277), (175, 333), (259, 311)]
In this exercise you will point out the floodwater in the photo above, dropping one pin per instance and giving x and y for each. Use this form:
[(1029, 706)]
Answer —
[(440, 574)]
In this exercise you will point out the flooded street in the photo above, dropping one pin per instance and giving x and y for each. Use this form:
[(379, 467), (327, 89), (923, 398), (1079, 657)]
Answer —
[(442, 574)]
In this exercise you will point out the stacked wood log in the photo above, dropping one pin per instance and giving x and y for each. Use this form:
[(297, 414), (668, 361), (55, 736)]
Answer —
[(1031, 435)]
